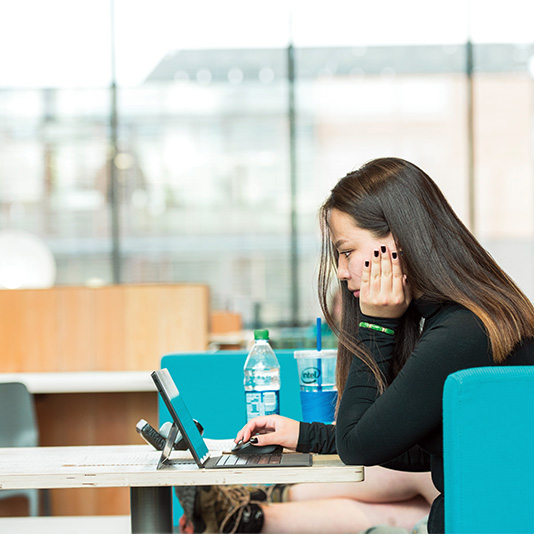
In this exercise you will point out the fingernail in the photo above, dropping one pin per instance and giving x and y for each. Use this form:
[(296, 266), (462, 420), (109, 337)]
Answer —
[(253, 440), (383, 249), (394, 255), (367, 263), (376, 253)]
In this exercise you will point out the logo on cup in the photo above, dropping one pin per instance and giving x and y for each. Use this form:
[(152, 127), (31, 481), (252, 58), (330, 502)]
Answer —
[(310, 375)]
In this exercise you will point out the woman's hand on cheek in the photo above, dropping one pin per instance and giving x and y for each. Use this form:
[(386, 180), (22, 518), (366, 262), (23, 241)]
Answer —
[(384, 290)]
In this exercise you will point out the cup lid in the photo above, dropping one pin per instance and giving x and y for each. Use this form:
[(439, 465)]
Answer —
[(325, 353)]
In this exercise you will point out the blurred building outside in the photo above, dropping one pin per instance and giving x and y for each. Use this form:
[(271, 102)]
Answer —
[(199, 152)]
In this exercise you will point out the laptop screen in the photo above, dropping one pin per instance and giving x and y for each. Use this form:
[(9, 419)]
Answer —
[(180, 415)]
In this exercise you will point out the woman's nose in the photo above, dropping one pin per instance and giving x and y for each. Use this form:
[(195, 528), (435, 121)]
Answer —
[(342, 269)]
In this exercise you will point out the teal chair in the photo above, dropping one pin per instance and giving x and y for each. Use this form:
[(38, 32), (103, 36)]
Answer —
[(18, 428), (211, 383), (488, 450)]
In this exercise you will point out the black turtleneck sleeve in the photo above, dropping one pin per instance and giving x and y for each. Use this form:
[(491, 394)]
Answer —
[(375, 429), (317, 437)]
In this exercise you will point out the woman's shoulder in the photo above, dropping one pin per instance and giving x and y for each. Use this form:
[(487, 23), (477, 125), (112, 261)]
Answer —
[(456, 335), (441, 310), (451, 315)]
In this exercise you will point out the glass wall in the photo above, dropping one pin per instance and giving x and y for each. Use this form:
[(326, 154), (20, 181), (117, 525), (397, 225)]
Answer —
[(503, 94), (158, 143)]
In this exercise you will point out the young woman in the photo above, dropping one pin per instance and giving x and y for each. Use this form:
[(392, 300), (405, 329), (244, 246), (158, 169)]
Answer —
[(421, 299)]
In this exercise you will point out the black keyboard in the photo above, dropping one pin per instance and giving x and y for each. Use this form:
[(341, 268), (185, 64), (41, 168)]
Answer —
[(250, 459)]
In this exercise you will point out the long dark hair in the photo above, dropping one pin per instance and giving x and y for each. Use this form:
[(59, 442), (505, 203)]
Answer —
[(440, 256)]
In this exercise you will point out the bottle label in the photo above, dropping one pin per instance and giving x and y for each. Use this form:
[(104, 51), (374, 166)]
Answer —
[(262, 403)]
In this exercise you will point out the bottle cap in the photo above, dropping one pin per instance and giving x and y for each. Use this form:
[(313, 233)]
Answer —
[(261, 334)]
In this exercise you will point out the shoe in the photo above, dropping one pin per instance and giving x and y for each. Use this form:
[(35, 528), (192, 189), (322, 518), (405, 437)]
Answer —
[(268, 493), (276, 492), (224, 509)]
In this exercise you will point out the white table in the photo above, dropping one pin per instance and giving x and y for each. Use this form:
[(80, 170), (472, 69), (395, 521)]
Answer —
[(134, 466), (83, 382)]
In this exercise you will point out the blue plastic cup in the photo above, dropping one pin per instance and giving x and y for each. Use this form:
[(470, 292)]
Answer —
[(317, 379)]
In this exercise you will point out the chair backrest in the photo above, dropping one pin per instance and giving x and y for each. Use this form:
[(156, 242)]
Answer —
[(488, 449), (211, 383), (18, 426)]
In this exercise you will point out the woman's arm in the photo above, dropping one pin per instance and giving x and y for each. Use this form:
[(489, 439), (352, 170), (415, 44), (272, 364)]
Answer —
[(372, 429), (317, 437)]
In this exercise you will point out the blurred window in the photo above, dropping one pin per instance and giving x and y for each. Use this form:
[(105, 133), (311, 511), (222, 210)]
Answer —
[(186, 107)]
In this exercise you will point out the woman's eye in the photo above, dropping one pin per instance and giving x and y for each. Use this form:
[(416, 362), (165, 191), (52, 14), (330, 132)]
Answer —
[(346, 253)]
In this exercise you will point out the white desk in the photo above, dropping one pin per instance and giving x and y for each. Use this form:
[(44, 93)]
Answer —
[(83, 382), (134, 466)]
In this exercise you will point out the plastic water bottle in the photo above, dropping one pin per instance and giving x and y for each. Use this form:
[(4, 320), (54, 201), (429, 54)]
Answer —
[(262, 378)]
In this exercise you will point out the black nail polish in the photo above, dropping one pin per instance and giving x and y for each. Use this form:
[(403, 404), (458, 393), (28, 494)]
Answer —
[(394, 255), (253, 440), (376, 253), (383, 249), (367, 263)]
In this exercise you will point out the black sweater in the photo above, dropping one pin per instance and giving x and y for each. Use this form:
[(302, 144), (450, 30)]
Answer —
[(402, 428)]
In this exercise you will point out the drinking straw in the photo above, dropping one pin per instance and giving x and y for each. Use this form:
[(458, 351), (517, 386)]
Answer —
[(318, 335), (319, 360)]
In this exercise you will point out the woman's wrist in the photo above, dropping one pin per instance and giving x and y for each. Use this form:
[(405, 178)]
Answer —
[(302, 439), (317, 438), (385, 322), (377, 328), (369, 326)]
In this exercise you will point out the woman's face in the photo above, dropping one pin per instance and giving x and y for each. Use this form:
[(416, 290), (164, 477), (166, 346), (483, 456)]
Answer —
[(355, 245)]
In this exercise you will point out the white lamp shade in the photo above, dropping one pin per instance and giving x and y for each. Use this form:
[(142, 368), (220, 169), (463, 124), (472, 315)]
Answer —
[(25, 261)]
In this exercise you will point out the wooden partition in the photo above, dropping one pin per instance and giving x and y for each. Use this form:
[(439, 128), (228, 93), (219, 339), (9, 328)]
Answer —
[(113, 328)]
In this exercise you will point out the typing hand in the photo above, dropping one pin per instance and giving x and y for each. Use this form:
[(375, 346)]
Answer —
[(384, 290), (271, 430)]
